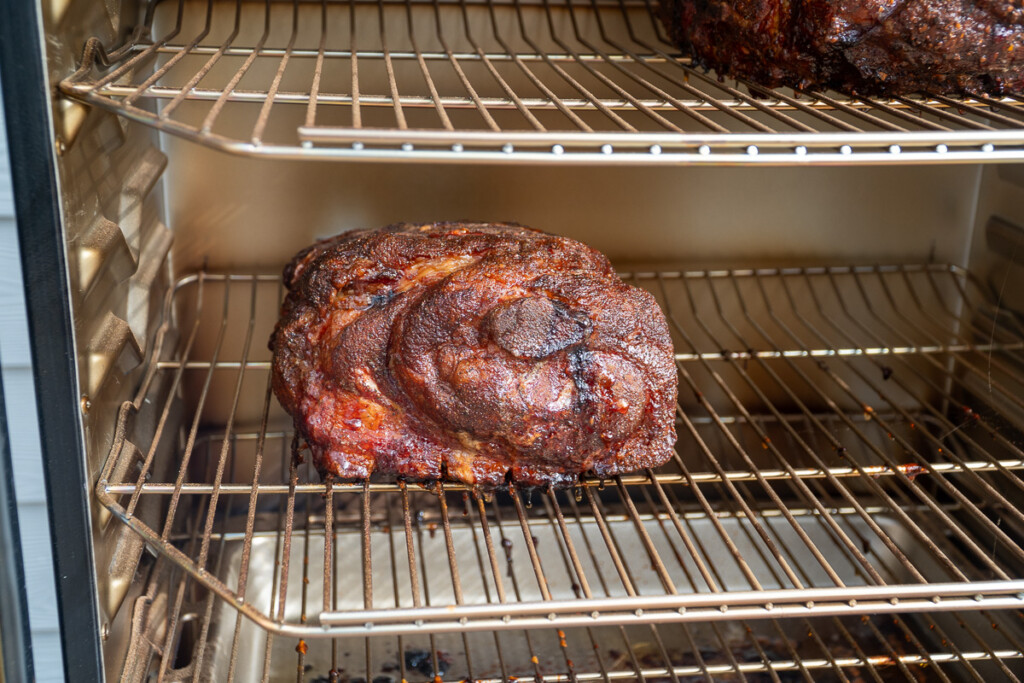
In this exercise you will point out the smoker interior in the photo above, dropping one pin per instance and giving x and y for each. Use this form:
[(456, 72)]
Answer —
[(844, 500)]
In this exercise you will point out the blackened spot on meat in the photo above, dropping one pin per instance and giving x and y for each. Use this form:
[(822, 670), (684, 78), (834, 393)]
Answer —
[(535, 326), (579, 362), (381, 299)]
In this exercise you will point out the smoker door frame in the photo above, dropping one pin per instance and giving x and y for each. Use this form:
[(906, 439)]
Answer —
[(31, 145)]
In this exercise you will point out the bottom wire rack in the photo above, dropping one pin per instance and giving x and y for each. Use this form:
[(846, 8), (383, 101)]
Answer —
[(849, 454)]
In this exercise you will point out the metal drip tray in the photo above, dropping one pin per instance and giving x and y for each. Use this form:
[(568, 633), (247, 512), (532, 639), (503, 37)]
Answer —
[(890, 646)]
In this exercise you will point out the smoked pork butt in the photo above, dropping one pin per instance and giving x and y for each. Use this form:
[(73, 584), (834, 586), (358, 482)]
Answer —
[(480, 353)]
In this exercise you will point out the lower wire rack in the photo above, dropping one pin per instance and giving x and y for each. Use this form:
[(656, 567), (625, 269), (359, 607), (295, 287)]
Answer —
[(849, 445)]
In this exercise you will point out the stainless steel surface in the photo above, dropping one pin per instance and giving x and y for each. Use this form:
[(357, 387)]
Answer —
[(258, 214), (110, 177), (848, 443), (501, 81)]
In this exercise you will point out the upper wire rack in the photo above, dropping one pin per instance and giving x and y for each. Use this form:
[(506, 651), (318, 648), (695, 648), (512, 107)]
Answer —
[(535, 81), (847, 445)]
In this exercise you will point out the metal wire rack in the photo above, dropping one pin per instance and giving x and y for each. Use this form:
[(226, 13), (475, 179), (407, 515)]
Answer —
[(535, 81), (849, 444)]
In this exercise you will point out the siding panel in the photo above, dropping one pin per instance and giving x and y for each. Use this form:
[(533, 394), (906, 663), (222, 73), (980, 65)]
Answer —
[(35, 549), (29, 484), (14, 350), (44, 644)]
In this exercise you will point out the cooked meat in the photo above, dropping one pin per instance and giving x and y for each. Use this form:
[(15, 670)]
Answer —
[(476, 352), (862, 46)]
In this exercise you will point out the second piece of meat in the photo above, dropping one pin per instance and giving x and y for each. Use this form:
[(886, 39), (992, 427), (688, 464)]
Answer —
[(863, 46)]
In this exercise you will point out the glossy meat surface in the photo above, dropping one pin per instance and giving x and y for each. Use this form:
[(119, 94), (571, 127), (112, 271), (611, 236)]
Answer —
[(473, 352), (859, 46)]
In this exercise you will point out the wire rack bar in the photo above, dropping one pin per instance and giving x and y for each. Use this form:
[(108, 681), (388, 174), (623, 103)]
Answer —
[(555, 82), (708, 355), (796, 473), (781, 599)]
